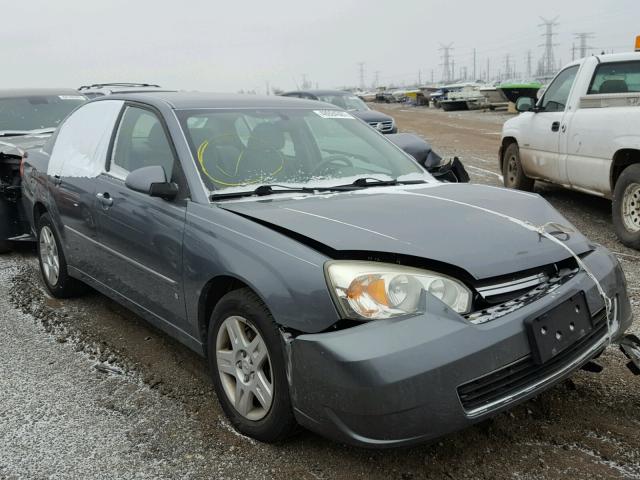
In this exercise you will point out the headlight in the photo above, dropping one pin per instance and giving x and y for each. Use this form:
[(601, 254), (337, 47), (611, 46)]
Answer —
[(372, 290)]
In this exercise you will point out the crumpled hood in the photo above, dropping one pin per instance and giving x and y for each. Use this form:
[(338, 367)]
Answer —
[(371, 116), (19, 144), (399, 220)]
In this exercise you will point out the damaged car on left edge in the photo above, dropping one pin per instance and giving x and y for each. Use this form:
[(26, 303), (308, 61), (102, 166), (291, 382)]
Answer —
[(329, 280), (28, 117)]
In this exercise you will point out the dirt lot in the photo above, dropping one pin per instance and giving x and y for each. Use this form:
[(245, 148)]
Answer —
[(90, 390)]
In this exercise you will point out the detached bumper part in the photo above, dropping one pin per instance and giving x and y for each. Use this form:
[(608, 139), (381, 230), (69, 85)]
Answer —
[(630, 346)]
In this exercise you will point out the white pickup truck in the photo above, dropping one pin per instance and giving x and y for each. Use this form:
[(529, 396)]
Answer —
[(583, 133)]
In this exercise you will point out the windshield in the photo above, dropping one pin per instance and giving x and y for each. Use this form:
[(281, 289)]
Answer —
[(36, 112), (243, 149), (347, 102)]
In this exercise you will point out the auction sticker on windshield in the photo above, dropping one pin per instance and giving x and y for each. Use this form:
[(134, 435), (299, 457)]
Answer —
[(332, 114)]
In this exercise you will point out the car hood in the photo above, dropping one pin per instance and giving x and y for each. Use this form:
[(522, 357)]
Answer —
[(371, 116), (19, 144), (405, 221)]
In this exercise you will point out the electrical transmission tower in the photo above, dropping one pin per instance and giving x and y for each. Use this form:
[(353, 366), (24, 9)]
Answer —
[(583, 37), (447, 65), (361, 73), (548, 62)]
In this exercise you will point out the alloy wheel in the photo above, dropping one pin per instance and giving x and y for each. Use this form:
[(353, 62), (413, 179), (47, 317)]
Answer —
[(244, 367), (49, 256)]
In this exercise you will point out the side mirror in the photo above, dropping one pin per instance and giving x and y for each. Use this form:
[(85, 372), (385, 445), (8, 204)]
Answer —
[(525, 104), (153, 181)]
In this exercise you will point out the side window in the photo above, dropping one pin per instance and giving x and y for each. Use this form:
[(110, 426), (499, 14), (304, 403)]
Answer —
[(82, 141), (557, 94), (619, 77), (140, 142)]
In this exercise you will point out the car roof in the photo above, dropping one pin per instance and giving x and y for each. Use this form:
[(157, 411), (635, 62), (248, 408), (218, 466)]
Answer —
[(324, 92), (195, 100), (35, 92)]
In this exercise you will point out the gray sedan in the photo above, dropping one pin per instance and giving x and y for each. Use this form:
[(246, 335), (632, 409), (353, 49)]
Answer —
[(328, 278)]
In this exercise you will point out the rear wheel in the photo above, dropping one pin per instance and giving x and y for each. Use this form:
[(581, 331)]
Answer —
[(248, 367), (512, 171), (626, 207), (53, 264)]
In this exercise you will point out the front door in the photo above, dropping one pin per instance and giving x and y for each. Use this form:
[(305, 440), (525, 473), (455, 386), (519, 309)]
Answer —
[(540, 144), (142, 235)]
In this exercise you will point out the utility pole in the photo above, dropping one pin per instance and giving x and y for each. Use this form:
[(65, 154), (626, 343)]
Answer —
[(447, 63), (432, 76), (583, 37), (474, 65), (453, 69), (548, 61), (507, 66), (529, 65), (488, 74), (377, 81), (361, 74), (419, 77)]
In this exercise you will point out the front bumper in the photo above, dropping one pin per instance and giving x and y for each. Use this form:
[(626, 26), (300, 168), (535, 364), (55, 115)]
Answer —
[(396, 382)]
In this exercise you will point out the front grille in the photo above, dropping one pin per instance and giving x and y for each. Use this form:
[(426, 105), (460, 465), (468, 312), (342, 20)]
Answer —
[(387, 126), (509, 380)]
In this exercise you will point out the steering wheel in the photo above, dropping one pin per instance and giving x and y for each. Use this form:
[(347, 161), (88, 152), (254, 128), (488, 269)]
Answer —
[(332, 160)]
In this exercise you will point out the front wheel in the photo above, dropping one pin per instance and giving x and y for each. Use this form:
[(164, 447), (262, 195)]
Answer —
[(626, 207), (248, 367), (512, 171)]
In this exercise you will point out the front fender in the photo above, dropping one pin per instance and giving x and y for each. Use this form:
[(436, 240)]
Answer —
[(286, 274)]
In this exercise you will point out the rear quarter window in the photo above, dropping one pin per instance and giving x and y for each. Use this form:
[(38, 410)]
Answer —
[(617, 77)]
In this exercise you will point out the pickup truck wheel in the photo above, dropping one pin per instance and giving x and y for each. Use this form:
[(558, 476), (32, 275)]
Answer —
[(626, 207), (247, 363), (53, 264), (512, 171)]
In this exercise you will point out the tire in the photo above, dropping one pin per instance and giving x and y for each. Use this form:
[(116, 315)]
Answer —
[(51, 258), (512, 171), (5, 247), (626, 207), (242, 309)]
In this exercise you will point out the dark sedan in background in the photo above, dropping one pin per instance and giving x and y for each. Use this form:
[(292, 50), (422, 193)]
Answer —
[(28, 117), (353, 104), (327, 277)]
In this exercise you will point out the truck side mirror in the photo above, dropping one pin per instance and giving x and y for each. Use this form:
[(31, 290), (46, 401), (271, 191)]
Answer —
[(525, 104)]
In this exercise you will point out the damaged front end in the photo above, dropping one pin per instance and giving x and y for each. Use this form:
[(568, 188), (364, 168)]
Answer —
[(14, 225)]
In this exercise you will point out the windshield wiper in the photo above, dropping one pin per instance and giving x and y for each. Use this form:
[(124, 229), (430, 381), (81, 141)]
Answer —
[(365, 182), (264, 190)]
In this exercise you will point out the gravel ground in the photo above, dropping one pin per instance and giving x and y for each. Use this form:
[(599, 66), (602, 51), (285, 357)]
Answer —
[(89, 390)]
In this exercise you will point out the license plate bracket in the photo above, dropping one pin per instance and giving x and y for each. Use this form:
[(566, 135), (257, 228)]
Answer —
[(557, 329)]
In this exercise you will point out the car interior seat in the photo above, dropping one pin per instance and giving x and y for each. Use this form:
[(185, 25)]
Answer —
[(614, 86)]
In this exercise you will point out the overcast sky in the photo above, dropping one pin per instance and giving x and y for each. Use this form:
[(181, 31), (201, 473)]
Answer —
[(232, 45)]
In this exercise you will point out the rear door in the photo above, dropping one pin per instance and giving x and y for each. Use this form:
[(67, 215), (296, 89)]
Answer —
[(77, 158), (142, 234), (540, 144)]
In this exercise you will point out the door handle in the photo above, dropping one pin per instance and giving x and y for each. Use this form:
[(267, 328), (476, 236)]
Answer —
[(105, 199), (555, 126)]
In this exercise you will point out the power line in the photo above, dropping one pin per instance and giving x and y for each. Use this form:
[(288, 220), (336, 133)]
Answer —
[(583, 37), (447, 66), (548, 64)]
